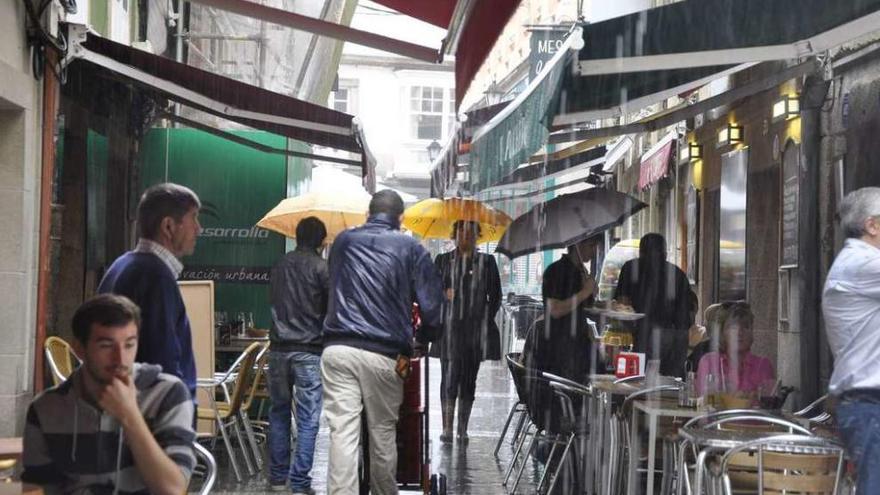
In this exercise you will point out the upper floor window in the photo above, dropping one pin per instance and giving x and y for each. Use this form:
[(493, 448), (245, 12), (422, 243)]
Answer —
[(343, 99), (430, 112)]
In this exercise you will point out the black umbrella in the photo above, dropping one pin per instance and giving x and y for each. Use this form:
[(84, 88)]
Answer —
[(567, 220)]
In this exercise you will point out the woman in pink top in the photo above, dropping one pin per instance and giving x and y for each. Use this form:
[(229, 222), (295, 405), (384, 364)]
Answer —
[(734, 367)]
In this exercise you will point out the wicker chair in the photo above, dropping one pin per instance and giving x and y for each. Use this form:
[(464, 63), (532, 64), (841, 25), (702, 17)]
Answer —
[(790, 464), (61, 358)]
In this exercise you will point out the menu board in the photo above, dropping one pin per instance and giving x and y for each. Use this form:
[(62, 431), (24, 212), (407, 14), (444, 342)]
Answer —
[(790, 193)]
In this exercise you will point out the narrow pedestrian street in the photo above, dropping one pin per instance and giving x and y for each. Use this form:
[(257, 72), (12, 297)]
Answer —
[(470, 468)]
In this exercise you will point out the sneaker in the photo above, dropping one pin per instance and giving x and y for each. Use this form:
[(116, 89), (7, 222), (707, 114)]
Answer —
[(278, 486), (303, 491)]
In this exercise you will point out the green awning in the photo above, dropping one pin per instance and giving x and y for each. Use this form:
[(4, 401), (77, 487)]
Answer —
[(518, 131), (634, 61), (633, 56)]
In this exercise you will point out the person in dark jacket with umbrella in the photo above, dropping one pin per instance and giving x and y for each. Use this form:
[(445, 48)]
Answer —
[(376, 274), (473, 296), (660, 290)]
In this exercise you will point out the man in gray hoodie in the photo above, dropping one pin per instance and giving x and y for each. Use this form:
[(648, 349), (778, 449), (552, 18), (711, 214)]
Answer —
[(115, 426)]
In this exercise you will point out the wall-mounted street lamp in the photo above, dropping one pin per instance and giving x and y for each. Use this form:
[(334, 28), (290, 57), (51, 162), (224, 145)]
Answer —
[(787, 108), (732, 134), (690, 152), (434, 150)]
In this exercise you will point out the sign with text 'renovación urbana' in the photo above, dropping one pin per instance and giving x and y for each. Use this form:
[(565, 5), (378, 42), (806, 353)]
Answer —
[(518, 131)]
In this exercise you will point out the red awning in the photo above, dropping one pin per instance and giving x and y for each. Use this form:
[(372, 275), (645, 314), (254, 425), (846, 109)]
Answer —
[(230, 99), (482, 27), (655, 163), (436, 12), (482, 30)]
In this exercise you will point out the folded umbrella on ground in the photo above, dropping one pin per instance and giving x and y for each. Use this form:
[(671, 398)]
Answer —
[(566, 220)]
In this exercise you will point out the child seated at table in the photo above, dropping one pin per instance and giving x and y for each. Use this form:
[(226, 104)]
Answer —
[(734, 368)]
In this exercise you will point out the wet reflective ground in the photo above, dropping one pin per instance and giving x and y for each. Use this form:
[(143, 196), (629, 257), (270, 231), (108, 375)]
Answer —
[(470, 468)]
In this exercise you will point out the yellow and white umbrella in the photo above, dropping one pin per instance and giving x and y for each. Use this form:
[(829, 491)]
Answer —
[(338, 211), (433, 218)]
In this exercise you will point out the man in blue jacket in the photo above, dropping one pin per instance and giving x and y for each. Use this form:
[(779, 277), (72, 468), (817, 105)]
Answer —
[(168, 226), (376, 273)]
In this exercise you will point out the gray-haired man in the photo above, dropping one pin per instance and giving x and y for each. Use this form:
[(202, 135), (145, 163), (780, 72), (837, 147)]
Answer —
[(851, 305)]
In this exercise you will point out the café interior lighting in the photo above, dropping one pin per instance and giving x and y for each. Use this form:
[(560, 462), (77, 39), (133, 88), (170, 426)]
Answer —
[(731, 134), (691, 152), (787, 108)]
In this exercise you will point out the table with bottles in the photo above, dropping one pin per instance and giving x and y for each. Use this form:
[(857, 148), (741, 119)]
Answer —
[(234, 332)]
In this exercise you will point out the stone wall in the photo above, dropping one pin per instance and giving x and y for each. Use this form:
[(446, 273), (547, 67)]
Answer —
[(20, 132)]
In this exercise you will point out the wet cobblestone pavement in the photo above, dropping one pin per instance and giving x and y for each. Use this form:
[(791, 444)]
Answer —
[(470, 469)]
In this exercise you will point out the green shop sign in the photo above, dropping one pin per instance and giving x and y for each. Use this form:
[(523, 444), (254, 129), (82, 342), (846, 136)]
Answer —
[(237, 186)]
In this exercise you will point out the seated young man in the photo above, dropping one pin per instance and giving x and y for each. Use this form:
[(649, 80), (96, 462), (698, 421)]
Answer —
[(115, 426)]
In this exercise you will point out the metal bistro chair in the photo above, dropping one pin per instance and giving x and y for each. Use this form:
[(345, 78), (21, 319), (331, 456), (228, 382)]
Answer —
[(733, 419), (566, 392), (259, 377), (61, 358), (816, 412), (790, 464), (227, 413), (523, 376), (519, 407), (538, 387), (205, 461)]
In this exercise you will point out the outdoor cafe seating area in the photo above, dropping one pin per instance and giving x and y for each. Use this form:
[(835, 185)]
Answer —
[(648, 434), (637, 434)]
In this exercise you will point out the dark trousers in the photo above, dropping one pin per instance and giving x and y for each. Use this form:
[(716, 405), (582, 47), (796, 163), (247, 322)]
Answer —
[(458, 379)]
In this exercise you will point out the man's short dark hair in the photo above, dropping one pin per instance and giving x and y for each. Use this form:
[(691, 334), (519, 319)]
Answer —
[(109, 310), (310, 232), (388, 202), (160, 201)]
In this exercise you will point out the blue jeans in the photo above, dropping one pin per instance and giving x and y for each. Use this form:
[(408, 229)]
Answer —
[(302, 371), (859, 424)]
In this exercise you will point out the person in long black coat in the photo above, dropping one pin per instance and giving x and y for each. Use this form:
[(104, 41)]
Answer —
[(661, 291), (473, 296)]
